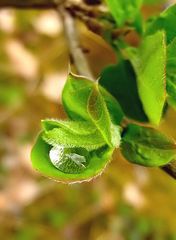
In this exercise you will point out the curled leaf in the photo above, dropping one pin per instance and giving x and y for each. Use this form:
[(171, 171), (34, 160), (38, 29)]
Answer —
[(84, 100), (72, 134), (78, 149), (63, 137), (75, 169)]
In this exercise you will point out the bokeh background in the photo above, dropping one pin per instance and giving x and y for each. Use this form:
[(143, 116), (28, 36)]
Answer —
[(126, 202)]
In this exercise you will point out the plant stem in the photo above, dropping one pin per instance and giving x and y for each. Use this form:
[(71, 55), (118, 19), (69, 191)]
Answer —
[(170, 169), (72, 36), (43, 4)]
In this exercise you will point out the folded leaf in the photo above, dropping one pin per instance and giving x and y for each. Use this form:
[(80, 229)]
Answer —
[(67, 138), (74, 127), (165, 21), (149, 62), (97, 161), (82, 99), (147, 146), (75, 97), (99, 115), (114, 108), (120, 81)]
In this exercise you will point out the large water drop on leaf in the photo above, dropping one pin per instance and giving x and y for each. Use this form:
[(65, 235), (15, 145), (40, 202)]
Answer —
[(69, 160)]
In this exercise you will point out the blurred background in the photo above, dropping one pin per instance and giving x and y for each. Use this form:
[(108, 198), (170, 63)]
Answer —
[(125, 202)]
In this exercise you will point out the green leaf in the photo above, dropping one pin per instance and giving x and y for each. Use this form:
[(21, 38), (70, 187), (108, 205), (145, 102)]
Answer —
[(120, 81), (97, 161), (165, 21), (147, 146), (149, 62), (67, 134), (124, 11), (113, 106), (82, 99), (74, 127), (171, 73), (99, 115), (75, 96)]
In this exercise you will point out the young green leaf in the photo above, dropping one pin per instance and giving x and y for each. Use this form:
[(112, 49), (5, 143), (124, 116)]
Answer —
[(75, 96), (99, 115), (149, 62), (82, 99), (71, 139), (83, 168), (171, 73), (74, 127), (113, 106), (120, 81), (165, 21), (124, 11), (147, 147)]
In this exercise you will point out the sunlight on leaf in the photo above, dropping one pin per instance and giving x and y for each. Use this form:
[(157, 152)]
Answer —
[(149, 62)]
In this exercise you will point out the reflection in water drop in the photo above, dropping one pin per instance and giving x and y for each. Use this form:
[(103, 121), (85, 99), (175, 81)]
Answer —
[(69, 160)]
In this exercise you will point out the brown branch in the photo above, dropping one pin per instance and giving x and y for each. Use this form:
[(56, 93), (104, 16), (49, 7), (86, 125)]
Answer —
[(88, 15), (43, 4), (92, 16), (170, 169)]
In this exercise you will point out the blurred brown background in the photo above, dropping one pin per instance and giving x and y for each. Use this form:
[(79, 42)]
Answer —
[(126, 202)]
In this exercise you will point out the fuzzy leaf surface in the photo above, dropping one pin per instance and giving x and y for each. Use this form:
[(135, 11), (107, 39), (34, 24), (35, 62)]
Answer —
[(82, 99), (70, 138)]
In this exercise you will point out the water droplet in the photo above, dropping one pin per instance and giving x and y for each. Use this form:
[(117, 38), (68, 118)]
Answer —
[(69, 160)]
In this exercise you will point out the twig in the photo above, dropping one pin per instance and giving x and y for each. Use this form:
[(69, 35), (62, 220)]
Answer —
[(43, 4), (91, 17), (170, 169), (88, 15), (71, 33)]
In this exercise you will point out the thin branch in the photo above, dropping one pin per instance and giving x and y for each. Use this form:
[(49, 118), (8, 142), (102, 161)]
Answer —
[(170, 169), (92, 16), (43, 4), (71, 34), (88, 15)]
